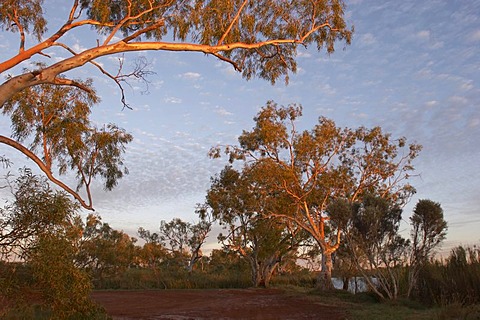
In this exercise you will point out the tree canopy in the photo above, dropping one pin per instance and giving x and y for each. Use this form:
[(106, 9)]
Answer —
[(322, 171), (240, 204), (258, 38)]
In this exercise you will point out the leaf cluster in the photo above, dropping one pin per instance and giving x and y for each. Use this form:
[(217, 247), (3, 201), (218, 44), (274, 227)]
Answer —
[(35, 210), (55, 121), (215, 22), (23, 16)]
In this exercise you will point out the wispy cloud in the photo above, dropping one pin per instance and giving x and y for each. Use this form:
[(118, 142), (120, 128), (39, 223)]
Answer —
[(190, 76), (222, 111), (474, 36), (174, 100), (367, 39)]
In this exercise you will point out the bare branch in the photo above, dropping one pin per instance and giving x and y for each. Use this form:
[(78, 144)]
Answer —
[(73, 83), (152, 27), (45, 169), (139, 72), (129, 18), (220, 41), (233, 63)]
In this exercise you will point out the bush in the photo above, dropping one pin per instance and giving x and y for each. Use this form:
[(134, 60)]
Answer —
[(455, 282)]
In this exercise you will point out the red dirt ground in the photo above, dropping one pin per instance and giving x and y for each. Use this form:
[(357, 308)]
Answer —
[(214, 304)]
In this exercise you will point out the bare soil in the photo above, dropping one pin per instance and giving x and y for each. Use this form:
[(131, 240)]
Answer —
[(214, 304)]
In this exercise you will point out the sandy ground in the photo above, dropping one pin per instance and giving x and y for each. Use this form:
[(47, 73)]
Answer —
[(213, 304)]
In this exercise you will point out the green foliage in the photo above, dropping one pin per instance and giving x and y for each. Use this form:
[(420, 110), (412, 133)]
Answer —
[(56, 121), (65, 289), (23, 16), (129, 16), (102, 251), (35, 210), (429, 229), (182, 240), (240, 203), (377, 247), (312, 177), (52, 113), (220, 270), (42, 230)]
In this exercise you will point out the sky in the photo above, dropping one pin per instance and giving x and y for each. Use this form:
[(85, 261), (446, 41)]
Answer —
[(413, 68)]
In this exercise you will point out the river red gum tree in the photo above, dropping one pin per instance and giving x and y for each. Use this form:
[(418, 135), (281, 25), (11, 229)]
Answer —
[(321, 168)]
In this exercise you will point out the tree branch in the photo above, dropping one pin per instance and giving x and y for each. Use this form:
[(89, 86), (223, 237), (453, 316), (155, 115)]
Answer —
[(45, 169), (49, 74), (220, 41)]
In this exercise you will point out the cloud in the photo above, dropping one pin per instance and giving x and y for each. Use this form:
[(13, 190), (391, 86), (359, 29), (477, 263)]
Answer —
[(431, 103), (173, 100), (467, 85), (423, 35), (304, 54), (157, 84), (368, 39), (474, 36), (428, 37), (222, 111), (191, 76), (458, 101), (359, 115), (77, 47), (474, 122), (327, 89)]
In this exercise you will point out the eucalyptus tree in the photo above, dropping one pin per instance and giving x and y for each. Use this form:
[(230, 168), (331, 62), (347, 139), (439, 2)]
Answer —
[(183, 240), (55, 120), (314, 168), (257, 38), (429, 229), (103, 251), (152, 253), (378, 250), (239, 202), (35, 209), (39, 228)]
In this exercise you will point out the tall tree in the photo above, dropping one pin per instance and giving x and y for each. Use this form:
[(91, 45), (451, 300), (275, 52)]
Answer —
[(238, 203), (373, 240), (258, 38), (429, 229), (316, 167)]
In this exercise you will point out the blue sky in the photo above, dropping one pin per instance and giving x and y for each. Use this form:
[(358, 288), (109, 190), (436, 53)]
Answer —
[(413, 68)]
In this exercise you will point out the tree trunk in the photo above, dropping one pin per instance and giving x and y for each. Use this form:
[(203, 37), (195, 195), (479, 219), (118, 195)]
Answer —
[(346, 283), (324, 279), (262, 272)]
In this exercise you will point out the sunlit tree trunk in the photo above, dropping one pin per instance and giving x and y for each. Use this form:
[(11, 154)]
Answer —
[(324, 280), (262, 271)]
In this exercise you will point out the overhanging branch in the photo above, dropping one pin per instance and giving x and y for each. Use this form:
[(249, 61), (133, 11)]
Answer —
[(45, 169)]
